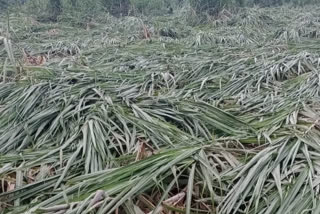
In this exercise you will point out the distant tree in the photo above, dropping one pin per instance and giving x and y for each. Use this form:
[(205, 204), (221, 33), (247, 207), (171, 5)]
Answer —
[(3, 4), (241, 3), (117, 7), (54, 9), (74, 3)]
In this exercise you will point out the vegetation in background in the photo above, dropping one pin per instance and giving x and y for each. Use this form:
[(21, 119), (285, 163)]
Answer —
[(186, 112), (147, 7), (55, 9)]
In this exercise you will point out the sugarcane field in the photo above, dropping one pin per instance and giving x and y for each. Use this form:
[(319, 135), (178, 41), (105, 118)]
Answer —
[(159, 107)]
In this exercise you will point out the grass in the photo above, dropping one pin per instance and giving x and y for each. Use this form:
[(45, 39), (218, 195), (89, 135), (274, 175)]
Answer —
[(220, 116)]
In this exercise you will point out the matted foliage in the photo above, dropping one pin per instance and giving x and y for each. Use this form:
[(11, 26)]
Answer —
[(111, 115)]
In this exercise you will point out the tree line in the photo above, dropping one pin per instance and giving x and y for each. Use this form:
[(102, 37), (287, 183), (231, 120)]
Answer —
[(125, 7)]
